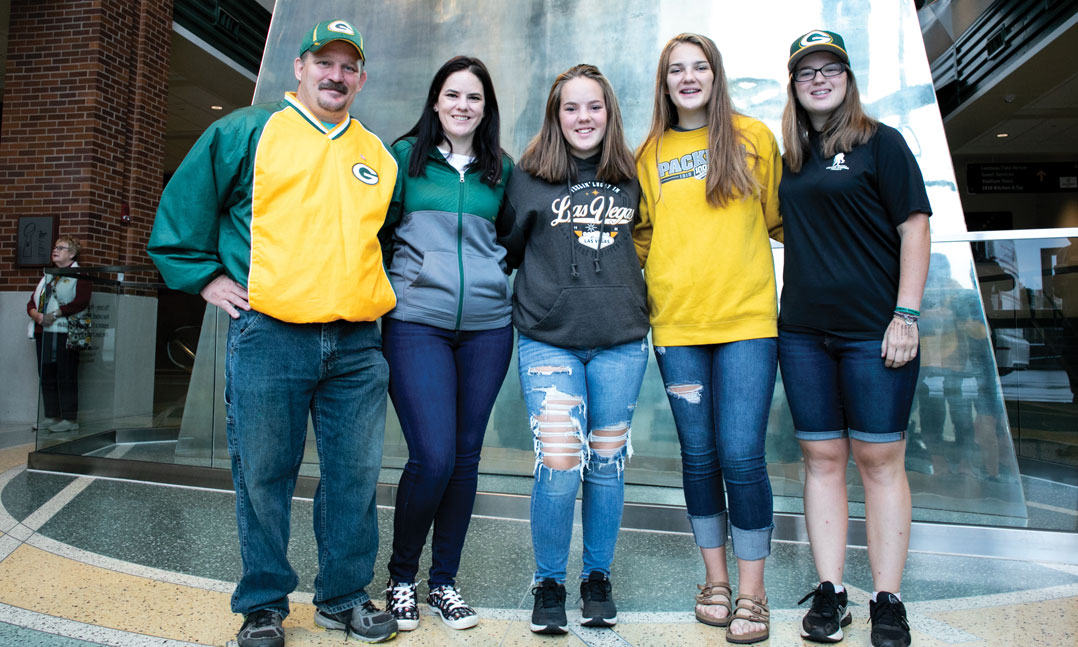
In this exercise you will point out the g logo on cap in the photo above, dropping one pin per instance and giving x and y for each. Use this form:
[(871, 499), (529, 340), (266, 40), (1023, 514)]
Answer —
[(365, 174), (341, 27), (815, 38)]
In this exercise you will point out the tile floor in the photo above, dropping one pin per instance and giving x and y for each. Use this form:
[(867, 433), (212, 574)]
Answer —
[(98, 562)]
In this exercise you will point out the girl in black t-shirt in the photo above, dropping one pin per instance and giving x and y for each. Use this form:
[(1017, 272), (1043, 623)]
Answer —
[(855, 213)]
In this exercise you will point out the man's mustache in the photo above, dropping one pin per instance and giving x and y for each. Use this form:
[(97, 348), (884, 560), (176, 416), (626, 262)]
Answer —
[(333, 85)]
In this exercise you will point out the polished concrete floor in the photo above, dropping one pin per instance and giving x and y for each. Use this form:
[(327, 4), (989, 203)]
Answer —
[(98, 562)]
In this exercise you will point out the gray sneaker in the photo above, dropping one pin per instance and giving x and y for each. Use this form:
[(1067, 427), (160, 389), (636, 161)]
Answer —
[(261, 629), (363, 622)]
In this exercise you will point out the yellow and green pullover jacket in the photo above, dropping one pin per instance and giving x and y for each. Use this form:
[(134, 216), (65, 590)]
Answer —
[(286, 207), (709, 271)]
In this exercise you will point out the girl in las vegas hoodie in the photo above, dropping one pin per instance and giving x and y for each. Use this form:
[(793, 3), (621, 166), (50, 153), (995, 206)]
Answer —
[(580, 310)]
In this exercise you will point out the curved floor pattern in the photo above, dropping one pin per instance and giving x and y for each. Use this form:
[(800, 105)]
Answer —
[(98, 562)]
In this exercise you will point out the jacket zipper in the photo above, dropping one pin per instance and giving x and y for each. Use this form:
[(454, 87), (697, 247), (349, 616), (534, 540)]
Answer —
[(460, 249)]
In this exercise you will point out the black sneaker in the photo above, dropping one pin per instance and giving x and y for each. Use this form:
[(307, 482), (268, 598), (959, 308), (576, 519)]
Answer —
[(362, 622), (596, 603), (261, 629), (828, 615), (446, 602), (400, 602), (548, 614), (889, 625)]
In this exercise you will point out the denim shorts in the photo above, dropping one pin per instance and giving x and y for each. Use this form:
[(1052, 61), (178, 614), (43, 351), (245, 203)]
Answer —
[(838, 387)]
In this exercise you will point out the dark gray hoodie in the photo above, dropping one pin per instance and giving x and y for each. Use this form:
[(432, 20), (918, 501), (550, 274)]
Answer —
[(579, 283)]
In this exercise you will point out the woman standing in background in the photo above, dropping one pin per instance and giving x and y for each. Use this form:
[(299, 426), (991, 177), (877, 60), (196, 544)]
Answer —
[(54, 300)]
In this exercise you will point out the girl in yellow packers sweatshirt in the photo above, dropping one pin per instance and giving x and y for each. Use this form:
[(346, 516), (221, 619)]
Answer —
[(709, 179)]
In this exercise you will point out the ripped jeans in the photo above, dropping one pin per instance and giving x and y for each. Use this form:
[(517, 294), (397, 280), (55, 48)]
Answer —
[(575, 395), (720, 395)]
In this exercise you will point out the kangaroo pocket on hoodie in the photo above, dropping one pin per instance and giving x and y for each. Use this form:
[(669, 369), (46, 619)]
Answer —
[(574, 317)]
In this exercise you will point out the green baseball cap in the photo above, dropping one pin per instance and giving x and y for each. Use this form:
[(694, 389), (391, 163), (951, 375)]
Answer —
[(328, 31), (817, 40)]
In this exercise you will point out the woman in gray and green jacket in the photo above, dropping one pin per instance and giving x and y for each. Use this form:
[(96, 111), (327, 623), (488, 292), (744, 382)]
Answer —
[(449, 339)]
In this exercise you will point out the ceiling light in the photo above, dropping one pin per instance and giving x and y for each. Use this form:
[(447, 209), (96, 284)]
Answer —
[(216, 108), (1002, 135)]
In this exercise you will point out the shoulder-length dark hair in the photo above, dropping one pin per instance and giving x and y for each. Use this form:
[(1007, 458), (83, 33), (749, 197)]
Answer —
[(729, 176), (848, 126), (486, 141), (547, 157)]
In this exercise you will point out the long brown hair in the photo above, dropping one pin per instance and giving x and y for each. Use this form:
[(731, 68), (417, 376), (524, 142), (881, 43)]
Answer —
[(547, 157), (729, 176), (486, 142), (848, 126)]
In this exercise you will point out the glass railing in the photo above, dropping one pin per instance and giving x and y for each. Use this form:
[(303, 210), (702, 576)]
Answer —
[(150, 389), (126, 393)]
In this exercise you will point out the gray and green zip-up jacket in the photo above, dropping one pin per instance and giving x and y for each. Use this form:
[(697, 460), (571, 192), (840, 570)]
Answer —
[(440, 244)]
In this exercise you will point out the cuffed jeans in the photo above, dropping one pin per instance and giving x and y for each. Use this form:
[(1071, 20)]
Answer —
[(598, 389), (443, 384), (720, 395), (276, 373)]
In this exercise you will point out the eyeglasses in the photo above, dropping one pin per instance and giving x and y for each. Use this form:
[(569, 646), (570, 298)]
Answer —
[(62, 248), (806, 74)]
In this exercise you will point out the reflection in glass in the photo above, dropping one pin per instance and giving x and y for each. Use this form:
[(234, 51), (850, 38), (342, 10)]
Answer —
[(1029, 288)]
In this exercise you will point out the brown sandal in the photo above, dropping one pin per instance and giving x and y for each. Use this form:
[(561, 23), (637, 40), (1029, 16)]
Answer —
[(752, 609), (714, 594)]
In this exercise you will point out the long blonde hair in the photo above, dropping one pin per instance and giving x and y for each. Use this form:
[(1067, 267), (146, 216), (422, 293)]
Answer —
[(729, 176), (848, 126), (547, 156)]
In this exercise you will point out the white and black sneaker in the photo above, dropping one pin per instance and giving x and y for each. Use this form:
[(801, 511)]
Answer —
[(446, 602), (400, 602), (548, 614), (596, 602), (827, 616)]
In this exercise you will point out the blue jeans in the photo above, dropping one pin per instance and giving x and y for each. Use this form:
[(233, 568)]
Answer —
[(839, 387), (580, 402), (277, 373), (443, 384), (720, 395)]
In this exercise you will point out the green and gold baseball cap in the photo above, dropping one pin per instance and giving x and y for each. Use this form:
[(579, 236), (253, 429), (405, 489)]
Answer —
[(328, 31), (817, 40)]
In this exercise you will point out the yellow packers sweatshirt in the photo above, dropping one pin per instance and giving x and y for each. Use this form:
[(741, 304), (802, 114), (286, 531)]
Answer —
[(709, 270)]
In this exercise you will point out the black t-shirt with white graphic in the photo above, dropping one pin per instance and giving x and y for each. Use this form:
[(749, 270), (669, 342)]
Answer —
[(840, 217)]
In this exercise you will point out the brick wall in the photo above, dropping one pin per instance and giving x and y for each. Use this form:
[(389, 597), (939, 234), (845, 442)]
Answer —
[(85, 104)]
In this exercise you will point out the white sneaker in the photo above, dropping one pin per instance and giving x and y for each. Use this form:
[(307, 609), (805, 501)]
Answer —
[(64, 425), (45, 423)]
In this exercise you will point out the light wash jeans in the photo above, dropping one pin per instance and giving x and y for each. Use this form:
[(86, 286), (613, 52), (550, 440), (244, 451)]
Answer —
[(720, 395), (598, 388), (277, 373)]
